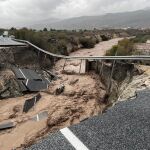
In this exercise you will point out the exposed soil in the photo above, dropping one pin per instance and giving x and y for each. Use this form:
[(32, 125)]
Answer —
[(79, 101)]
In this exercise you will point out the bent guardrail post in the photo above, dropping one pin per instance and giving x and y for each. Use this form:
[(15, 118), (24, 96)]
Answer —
[(101, 69)]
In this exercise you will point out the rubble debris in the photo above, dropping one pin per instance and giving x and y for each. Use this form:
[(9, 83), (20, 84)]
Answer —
[(74, 81), (57, 118), (31, 102), (17, 108), (68, 72), (60, 89), (7, 124)]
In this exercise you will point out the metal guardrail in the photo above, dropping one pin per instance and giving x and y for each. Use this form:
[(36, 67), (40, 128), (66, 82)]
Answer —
[(135, 57)]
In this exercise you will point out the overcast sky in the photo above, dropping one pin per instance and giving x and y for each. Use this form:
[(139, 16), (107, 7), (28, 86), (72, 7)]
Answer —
[(18, 12)]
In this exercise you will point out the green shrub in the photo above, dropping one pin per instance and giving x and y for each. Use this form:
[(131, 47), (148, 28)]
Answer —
[(104, 38), (62, 47), (125, 47), (112, 51), (87, 42), (141, 39)]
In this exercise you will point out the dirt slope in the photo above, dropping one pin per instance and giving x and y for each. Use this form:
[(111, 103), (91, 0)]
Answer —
[(139, 82)]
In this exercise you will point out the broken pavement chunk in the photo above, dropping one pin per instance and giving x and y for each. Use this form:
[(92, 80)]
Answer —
[(74, 81), (7, 124), (26, 74), (40, 116), (31, 102), (35, 85)]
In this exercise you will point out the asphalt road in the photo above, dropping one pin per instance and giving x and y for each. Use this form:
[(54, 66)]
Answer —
[(125, 126)]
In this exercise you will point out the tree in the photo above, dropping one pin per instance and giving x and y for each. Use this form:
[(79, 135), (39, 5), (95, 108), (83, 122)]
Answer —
[(12, 28), (104, 38), (45, 29)]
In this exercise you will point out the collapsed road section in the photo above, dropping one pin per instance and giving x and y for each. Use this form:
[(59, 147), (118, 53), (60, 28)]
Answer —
[(29, 80), (17, 81)]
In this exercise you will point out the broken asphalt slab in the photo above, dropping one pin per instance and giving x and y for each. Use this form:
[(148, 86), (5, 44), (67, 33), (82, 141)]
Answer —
[(40, 116), (30, 103), (35, 85), (7, 124), (26, 74)]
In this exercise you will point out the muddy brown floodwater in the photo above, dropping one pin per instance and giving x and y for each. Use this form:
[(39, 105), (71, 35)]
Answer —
[(78, 102)]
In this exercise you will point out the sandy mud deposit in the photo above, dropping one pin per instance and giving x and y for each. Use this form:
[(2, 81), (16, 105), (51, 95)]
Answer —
[(80, 100)]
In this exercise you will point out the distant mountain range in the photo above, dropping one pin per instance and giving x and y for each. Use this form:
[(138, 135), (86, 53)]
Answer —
[(135, 19)]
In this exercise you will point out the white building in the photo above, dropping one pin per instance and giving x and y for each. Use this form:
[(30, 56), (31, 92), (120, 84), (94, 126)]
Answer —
[(148, 41)]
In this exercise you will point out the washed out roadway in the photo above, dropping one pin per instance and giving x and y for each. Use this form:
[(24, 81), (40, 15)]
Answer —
[(126, 126)]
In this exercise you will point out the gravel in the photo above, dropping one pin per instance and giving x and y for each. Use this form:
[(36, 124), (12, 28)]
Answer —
[(52, 142), (125, 126)]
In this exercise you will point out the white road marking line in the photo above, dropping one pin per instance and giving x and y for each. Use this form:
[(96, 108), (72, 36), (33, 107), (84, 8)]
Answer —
[(22, 73), (34, 103), (76, 143), (38, 119), (27, 82), (48, 80)]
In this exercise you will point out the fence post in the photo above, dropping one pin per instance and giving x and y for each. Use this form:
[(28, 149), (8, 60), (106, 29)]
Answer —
[(96, 66), (45, 57), (101, 69), (64, 64), (80, 66)]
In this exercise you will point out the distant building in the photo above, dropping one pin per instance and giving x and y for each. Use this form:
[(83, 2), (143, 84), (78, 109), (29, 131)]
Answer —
[(5, 34)]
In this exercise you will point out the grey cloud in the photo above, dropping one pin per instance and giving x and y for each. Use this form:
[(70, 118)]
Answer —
[(19, 12)]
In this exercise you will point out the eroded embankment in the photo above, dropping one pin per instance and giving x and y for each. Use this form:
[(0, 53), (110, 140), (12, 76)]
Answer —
[(123, 80)]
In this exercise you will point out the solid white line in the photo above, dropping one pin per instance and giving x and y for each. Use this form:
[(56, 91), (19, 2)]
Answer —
[(76, 143), (22, 73), (27, 82)]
